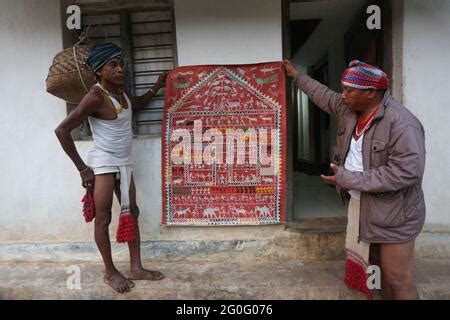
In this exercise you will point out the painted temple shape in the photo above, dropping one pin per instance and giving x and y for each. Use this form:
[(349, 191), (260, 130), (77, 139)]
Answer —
[(223, 146)]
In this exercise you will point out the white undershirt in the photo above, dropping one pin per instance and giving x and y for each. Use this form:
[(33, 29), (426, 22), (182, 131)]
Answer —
[(354, 162), (112, 139)]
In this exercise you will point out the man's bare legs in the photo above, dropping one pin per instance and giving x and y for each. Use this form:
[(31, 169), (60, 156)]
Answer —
[(385, 290), (103, 196), (397, 264), (136, 269)]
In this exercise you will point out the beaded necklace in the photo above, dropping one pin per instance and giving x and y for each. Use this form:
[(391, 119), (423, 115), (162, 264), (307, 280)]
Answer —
[(363, 125), (119, 98)]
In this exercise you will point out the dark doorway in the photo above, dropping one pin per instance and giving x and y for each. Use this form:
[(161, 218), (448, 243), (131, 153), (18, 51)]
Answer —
[(317, 131), (323, 37), (364, 44)]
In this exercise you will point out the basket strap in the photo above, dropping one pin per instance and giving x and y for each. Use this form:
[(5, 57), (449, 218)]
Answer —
[(78, 68), (84, 35)]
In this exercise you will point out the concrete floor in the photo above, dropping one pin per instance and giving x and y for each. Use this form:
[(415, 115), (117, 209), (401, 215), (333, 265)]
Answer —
[(314, 199), (209, 279)]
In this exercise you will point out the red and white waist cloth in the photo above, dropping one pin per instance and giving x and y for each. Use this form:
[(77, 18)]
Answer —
[(357, 259)]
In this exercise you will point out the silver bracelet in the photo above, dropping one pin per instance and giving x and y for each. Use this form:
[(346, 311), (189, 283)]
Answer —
[(84, 170)]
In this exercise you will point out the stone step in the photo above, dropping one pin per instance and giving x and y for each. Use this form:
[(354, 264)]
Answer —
[(307, 242), (207, 279), (308, 239), (299, 241)]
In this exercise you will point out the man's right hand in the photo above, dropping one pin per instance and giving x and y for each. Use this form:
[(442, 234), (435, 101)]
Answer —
[(87, 179), (291, 71)]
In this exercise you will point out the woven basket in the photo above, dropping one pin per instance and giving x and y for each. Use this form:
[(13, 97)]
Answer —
[(68, 77)]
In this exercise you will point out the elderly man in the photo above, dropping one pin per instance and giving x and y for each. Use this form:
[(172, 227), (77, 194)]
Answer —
[(109, 165), (379, 161)]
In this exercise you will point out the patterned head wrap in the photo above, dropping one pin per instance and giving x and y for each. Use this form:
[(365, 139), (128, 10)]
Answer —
[(361, 75), (101, 54)]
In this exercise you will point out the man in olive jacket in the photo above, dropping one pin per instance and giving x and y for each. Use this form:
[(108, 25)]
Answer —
[(392, 206)]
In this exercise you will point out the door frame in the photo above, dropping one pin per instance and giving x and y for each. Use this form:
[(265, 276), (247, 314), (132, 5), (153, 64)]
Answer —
[(392, 22)]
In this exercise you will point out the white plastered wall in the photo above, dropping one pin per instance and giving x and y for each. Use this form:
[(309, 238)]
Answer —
[(40, 191)]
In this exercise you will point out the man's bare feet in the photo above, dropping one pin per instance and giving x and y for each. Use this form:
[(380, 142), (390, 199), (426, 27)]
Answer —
[(144, 274), (118, 282)]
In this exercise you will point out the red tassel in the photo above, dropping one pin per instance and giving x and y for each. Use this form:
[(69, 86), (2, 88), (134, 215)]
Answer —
[(356, 277), (88, 206), (126, 230)]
